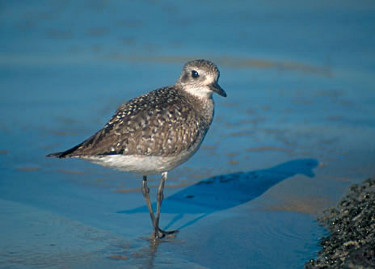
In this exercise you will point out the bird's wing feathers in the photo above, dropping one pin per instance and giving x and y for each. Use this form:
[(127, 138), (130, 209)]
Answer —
[(159, 123)]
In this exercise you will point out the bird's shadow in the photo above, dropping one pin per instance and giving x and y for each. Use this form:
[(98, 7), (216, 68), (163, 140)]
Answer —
[(226, 191)]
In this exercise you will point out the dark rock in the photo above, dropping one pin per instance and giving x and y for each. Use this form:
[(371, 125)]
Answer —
[(351, 243)]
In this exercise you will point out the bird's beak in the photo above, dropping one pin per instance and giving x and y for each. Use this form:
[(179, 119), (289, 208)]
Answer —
[(216, 88)]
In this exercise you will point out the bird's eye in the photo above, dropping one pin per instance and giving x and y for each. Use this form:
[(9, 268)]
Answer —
[(194, 74)]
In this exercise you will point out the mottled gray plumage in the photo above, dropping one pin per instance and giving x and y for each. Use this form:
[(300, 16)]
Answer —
[(163, 122), (157, 131)]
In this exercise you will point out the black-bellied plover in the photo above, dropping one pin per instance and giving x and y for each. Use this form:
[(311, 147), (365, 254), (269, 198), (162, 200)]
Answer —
[(156, 132)]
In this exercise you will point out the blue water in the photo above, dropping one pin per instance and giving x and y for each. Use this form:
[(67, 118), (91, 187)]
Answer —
[(294, 132)]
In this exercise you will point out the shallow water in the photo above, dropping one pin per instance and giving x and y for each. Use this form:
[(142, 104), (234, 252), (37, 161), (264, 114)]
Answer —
[(294, 132)]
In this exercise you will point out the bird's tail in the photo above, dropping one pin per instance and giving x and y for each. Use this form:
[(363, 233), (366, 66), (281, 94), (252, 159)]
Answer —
[(56, 155), (64, 154)]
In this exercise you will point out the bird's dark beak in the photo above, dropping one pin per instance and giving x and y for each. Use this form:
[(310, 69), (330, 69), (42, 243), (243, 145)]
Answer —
[(216, 88)]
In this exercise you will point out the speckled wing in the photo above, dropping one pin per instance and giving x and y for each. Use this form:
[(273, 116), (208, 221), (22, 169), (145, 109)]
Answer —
[(162, 122)]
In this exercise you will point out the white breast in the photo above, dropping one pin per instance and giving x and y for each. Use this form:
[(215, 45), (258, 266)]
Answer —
[(145, 165)]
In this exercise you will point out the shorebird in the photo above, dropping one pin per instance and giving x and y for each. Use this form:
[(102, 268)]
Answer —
[(157, 131)]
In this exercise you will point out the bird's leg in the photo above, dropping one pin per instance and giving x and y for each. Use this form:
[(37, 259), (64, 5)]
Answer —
[(159, 233), (146, 194)]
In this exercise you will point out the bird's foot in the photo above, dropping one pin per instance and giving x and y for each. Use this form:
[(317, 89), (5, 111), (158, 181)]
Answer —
[(159, 233)]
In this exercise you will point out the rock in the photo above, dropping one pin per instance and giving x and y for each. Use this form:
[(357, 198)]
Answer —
[(351, 243)]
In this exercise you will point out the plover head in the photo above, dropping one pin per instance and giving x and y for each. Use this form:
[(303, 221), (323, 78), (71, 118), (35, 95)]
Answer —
[(200, 78)]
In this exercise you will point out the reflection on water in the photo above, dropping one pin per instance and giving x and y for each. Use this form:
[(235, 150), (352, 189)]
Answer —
[(147, 253)]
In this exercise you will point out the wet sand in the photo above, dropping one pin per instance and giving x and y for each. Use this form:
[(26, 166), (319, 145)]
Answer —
[(296, 131)]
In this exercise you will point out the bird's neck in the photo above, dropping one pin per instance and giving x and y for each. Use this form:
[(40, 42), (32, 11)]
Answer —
[(202, 101), (205, 106), (209, 110)]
